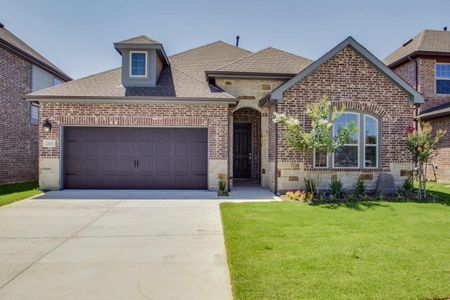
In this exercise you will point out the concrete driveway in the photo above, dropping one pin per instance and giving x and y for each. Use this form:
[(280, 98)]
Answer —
[(112, 249)]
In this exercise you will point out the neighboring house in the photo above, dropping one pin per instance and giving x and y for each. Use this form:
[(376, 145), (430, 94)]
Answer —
[(424, 62), (22, 70), (192, 119)]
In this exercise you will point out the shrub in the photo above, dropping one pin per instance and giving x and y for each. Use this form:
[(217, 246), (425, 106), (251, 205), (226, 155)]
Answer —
[(222, 188), (360, 188), (310, 185), (408, 185), (336, 187)]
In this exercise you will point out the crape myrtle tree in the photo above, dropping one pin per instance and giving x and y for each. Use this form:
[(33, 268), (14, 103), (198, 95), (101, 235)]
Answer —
[(319, 137), (422, 145)]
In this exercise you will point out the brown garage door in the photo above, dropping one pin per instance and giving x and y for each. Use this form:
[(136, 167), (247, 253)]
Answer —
[(135, 158)]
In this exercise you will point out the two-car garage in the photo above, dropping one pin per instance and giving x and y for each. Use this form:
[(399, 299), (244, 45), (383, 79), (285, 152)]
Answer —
[(135, 158)]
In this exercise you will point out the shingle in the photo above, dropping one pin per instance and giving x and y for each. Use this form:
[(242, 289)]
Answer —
[(425, 41), (141, 40), (172, 83), (208, 57), (10, 39), (269, 60)]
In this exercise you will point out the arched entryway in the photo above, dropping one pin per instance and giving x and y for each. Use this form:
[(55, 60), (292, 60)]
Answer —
[(246, 139)]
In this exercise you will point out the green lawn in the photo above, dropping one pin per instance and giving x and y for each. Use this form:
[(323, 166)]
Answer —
[(376, 250), (17, 191)]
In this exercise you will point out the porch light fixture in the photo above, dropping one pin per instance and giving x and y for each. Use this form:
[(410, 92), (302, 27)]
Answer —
[(47, 126)]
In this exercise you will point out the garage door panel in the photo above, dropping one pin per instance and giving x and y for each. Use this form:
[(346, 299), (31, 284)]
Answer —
[(154, 158)]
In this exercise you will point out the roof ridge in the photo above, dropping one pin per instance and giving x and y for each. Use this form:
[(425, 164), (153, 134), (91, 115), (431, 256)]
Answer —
[(235, 61), (258, 52), (206, 45)]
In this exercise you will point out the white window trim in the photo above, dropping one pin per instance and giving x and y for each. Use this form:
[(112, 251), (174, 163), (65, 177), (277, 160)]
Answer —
[(146, 63), (357, 144), (373, 145), (436, 78), (314, 161)]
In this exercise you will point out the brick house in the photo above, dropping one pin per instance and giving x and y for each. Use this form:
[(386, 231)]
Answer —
[(189, 120), (424, 62), (22, 70)]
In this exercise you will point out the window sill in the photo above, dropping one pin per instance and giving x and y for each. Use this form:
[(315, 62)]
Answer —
[(371, 170)]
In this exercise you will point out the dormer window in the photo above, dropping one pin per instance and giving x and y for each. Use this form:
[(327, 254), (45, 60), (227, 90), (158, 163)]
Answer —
[(138, 64)]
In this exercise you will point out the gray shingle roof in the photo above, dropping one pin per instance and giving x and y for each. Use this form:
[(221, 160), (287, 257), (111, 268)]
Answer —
[(425, 41), (16, 44), (140, 40), (171, 83), (208, 57), (269, 60)]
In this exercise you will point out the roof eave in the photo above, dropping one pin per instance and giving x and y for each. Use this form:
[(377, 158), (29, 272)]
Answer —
[(415, 54), (34, 60), (130, 99), (262, 75), (415, 97)]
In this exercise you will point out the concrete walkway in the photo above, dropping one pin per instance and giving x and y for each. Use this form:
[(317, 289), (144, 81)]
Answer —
[(109, 246)]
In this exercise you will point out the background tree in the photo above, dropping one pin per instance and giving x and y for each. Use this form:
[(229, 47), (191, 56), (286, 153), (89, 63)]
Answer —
[(319, 137), (422, 144)]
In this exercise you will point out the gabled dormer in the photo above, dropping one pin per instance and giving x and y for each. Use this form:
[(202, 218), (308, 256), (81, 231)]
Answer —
[(142, 61)]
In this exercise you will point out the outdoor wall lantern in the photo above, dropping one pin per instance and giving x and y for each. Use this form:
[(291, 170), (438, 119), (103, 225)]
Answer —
[(47, 126)]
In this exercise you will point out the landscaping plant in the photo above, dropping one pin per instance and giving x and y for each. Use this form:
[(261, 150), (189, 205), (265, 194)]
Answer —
[(336, 187), (360, 187), (319, 136), (422, 144)]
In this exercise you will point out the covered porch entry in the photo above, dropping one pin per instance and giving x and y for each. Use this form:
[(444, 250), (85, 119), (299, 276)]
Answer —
[(248, 147)]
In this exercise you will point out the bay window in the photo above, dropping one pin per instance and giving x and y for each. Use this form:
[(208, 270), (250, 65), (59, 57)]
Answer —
[(361, 151)]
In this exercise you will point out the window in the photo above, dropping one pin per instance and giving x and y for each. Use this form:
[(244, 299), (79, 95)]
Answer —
[(320, 159), (370, 142), (362, 149), (347, 155), (443, 79), (138, 64), (34, 114)]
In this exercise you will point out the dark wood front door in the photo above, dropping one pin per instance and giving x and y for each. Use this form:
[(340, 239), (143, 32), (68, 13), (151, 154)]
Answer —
[(135, 158), (242, 150)]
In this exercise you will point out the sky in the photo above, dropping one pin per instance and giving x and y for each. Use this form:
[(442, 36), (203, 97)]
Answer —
[(78, 36)]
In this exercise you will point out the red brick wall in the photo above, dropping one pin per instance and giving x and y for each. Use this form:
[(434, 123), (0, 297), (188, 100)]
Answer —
[(442, 158), (215, 117), (348, 78), (407, 72), (18, 138)]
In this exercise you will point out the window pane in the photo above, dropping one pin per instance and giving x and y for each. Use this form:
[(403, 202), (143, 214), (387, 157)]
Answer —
[(371, 130), (34, 114), (138, 61), (443, 70), (346, 156), (443, 86), (345, 119), (371, 156), (320, 159)]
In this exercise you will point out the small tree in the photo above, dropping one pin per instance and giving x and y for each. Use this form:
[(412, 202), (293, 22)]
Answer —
[(422, 144), (320, 136)]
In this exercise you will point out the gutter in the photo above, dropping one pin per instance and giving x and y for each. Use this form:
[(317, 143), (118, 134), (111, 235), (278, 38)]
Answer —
[(253, 75), (435, 114), (414, 55)]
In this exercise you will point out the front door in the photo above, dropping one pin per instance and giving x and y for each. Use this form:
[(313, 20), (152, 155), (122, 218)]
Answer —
[(242, 150)]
